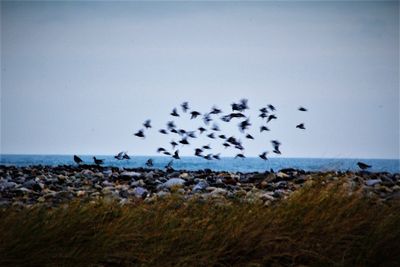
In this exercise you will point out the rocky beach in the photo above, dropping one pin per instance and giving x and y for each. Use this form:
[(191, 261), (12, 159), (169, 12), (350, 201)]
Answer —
[(51, 186)]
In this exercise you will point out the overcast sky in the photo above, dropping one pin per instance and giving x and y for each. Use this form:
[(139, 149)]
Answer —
[(81, 77)]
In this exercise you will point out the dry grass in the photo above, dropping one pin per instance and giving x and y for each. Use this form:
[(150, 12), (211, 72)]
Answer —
[(320, 225)]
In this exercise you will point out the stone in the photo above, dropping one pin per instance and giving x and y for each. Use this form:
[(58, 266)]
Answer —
[(372, 182), (173, 182), (140, 192), (80, 193), (130, 175), (200, 186)]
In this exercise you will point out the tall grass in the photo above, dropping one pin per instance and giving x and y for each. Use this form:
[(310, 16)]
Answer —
[(319, 225)]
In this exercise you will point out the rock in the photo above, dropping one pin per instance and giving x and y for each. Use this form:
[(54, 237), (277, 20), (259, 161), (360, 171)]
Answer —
[(107, 173), (218, 192), (373, 182), (185, 175), (282, 175), (129, 175), (162, 194), (87, 173), (173, 182), (140, 192), (281, 185), (32, 184), (7, 185), (80, 193), (138, 183), (200, 186)]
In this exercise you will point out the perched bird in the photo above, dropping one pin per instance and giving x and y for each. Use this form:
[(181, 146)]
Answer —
[(139, 134), (147, 124), (194, 114), (163, 131), (363, 166), (98, 161), (77, 159), (302, 109), (264, 128), (276, 145), (249, 136), (240, 156), (201, 129), (263, 155), (301, 126), (185, 106), (271, 117), (149, 163), (119, 156), (176, 155), (174, 113)]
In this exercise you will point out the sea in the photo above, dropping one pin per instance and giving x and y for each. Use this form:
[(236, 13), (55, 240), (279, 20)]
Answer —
[(225, 164)]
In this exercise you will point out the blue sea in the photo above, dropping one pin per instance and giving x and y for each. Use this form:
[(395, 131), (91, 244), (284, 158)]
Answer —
[(225, 164)]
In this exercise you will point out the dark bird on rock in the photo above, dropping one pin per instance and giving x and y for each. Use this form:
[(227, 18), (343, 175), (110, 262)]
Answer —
[(264, 128), (363, 166), (222, 136), (217, 156), (211, 135), (173, 144), (271, 117), (139, 134), (201, 129), (244, 125), (301, 126), (184, 141), (194, 114), (271, 107), (147, 124), (276, 145), (119, 156), (174, 113), (98, 161), (302, 109), (240, 156), (176, 155), (263, 156), (249, 136), (77, 159), (163, 131), (215, 110), (185, 106), (126, 156), (149, 163)]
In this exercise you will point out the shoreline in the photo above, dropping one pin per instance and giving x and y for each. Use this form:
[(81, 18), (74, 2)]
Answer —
[(52, 186)]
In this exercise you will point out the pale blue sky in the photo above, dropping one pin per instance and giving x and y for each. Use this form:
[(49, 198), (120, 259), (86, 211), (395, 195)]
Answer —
[(81, 77)]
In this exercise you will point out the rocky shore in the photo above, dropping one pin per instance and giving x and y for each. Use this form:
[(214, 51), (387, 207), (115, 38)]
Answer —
[(51, 186)]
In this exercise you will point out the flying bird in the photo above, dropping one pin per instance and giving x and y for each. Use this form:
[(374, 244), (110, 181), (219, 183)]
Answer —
[(222, 136), (139, 134), (149, 163), (77, 159), (171, 125), (163, 131), (271, 117), (174, 113), (215, 127), (217, 156), (160, 149), (263, 155), (202, 129), (206, 147), (264, 128), (211, 135), (119, 156), (194, 114), (173, 144), (185, 106), (197, 152), (249, 136), (147, 124), (271, 107), (215, 110), (206, 118), (125, 156), (208, 157), (276, 145), (226, 145), (302, 109), (184, 141), (301, 126), (244, 125), (176, 155), (240, 156)]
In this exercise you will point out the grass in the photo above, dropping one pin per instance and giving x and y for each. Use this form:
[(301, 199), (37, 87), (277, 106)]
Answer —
[(319, 225)]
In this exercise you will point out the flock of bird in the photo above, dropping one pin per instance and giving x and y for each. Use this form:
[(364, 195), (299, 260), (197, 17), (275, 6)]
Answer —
[(212, 129)]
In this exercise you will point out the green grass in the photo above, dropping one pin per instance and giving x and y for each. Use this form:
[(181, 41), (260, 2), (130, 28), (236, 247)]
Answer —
[(319, 225)]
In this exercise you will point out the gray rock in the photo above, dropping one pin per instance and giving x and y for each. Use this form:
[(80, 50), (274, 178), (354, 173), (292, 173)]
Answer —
[(200, 186), (140, 192), (373, 182), (32, 184), (172, 183), (7, 185)]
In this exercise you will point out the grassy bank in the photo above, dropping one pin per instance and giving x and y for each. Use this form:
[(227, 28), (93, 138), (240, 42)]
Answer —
[(319, 225)]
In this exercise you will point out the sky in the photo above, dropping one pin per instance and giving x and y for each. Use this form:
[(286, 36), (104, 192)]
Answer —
[(82, 77)]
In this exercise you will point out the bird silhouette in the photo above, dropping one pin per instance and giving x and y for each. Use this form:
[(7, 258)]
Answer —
[(264, 110), (125, 156), (206, 147), (163, 131), (271, 117), (249, 136), (263, 155), (174, 113), (276, 145), (197, 152), (176, 155), (271, 107), (191, 134), (202, 129), (174, 131), (217, 156), (239, 156), (302, 109), (140, 133), (301, 126), (147, 124), (226, 145), (194, 114), (208, 157), (206, 118), (264, 128), (167, 153), (98, 162), (119, 156), (149, 163), (215, 110), (169, 165), (363, 166), (184, 141), (171, 125), (215, 127), (160, 149), (173, 144), (185, 106), (77, 159), (222, 136), (211, 135), (263, 115), (244, 125)]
